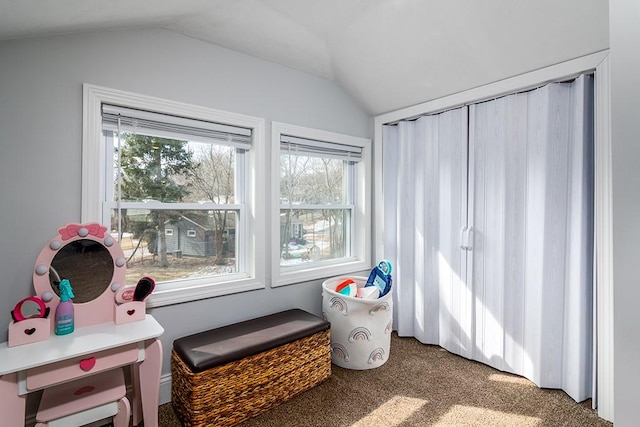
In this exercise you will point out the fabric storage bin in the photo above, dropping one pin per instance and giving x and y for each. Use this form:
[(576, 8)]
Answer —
[(360, 328)]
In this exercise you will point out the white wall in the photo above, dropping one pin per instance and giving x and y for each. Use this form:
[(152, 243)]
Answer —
[(625, 125), (40, 142)]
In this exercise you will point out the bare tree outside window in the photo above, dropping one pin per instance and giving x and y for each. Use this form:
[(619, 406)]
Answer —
[(213, 179), (312, 199)]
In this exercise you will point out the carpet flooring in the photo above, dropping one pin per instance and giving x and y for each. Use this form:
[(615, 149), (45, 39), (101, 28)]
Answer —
[(422, 385)]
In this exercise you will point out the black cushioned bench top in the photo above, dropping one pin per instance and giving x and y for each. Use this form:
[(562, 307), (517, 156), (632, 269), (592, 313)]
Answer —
[(215, 347)]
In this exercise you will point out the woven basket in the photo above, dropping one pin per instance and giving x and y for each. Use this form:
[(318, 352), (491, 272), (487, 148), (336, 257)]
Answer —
[(229, 394)]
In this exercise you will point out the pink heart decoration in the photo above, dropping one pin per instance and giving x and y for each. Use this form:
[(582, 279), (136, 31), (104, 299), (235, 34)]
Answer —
[(29, 331), (130, 312), (83, 390), (87, 364)]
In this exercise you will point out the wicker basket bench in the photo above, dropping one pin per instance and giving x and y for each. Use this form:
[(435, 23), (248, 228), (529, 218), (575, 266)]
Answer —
[(224, 376)]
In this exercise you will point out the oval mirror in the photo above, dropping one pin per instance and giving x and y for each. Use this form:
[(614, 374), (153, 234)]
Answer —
[(30, 309), (87, 265), (94, 264)]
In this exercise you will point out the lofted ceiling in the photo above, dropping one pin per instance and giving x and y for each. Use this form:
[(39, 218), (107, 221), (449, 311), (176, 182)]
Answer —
[(385, 54)]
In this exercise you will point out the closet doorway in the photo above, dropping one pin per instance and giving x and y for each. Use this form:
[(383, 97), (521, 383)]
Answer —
[(496, 263)]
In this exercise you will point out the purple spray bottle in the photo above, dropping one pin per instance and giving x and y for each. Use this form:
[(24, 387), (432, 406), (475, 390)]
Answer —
[(64, 311)]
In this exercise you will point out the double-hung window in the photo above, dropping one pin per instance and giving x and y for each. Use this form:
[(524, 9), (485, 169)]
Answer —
[(322, 224), (176, 185)]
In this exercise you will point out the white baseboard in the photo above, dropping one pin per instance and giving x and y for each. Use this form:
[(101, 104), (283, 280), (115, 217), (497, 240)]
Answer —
[(165, 389)]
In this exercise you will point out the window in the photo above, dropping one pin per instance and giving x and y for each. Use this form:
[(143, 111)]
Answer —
[(321, 184), (155, 171)]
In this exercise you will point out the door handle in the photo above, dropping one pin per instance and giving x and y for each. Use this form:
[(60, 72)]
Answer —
[(464, 242), (466, 238), (469, 240)]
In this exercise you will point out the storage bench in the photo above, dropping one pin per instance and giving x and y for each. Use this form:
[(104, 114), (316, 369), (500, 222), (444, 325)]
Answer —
[(227, 375)]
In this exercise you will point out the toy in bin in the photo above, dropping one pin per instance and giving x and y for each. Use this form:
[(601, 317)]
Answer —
[(380, 277), (348, 287)]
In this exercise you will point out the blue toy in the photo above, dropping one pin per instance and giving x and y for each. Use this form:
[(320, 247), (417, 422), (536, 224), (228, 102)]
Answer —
[(380, 276)]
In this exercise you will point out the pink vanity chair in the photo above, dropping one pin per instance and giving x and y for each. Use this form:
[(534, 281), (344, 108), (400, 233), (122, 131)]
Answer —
[(81, 373)]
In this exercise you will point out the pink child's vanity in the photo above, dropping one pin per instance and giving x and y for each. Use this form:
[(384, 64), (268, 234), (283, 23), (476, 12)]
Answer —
[(112, 329)]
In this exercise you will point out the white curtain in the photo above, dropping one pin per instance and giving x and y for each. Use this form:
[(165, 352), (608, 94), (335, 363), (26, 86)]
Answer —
[(491, 232)]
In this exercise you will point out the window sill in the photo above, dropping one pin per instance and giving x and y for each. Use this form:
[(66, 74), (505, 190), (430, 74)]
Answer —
[(176, 295), (320, 272)]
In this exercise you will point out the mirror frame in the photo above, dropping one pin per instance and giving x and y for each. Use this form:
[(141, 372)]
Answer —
[(100, 309)]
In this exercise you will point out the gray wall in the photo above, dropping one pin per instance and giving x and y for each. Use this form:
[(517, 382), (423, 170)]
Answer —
[(625, 125), (41, 139)]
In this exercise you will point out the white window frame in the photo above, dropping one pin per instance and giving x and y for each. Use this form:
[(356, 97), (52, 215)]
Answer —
[(361, 235), (94, 186)]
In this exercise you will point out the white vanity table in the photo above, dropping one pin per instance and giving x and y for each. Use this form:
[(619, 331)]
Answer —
[(98, 344), (111, 345)]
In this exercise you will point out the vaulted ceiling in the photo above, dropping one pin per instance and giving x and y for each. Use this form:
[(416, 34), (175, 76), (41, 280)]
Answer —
[(385, 54)]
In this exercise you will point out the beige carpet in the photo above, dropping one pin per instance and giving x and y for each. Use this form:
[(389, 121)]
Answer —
[(423, 386)]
